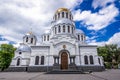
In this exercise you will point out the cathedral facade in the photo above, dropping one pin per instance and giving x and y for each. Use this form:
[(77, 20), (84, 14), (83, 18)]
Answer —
[(63, 47)]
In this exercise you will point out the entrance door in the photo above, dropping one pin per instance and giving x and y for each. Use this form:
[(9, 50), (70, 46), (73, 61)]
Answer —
[(64, 60)]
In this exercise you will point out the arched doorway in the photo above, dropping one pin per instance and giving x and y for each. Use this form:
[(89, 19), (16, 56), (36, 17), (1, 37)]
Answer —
[(64, 60)]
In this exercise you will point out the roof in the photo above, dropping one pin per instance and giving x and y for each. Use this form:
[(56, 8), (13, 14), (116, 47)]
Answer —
[(24, 48)]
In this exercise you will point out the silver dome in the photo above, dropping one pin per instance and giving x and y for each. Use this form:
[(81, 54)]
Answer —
[(24, 48), (79, 31), (64, 20)]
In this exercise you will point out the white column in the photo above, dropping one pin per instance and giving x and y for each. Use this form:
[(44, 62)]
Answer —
[(32, 61), (61, 28), (64, 14), (60, 14), (46, 37), (65, 27), (70, 29), (80, 37), (68, 15), (95, 60), (56, 30), (43, 38), (82, 60), (56, 16), (88, 59)]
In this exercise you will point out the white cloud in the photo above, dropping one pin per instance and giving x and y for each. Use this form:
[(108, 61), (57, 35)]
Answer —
[(115, 39), (101, 3), (18, 16), (98, 20)]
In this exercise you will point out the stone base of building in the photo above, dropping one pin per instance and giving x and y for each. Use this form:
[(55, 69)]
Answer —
[(51, 68), (15, 69)]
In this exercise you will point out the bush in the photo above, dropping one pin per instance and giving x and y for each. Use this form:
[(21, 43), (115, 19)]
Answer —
[(108, 65)]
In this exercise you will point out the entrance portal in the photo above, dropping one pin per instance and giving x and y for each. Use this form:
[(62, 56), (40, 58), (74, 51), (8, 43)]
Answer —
[(64, 60)]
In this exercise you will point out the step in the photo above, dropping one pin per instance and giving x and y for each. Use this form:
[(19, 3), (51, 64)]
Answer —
[(65, 72)]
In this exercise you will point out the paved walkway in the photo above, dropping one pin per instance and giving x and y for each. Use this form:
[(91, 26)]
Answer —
[(105, 75)]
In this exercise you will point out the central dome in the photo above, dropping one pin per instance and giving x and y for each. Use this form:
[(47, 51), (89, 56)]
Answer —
[(62, 9)]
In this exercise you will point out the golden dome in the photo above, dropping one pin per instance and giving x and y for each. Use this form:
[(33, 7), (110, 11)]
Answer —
[(30, 32), (62, 9)]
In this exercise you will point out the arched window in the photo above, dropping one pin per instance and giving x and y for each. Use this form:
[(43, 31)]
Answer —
[(91, 59), (42, 60), (48, 38), (78, 37), (99, 61), (66, 15), (62, 14), (18, 62), (55, 30), (81, 37), (31, 40), (72, 29), (70, 16), (37, 60), (59, 30), (68, 29), (44, 38), (58, 15), (63, 28), (86, 59), (55, 17), (26, 39)]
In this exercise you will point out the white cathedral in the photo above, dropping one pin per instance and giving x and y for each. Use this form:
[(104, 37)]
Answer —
[(62, 48)]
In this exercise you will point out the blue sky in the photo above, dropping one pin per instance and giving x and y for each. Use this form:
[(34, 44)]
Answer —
[(99, 19)]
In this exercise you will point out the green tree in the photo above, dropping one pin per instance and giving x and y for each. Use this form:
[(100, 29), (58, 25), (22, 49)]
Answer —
[(6, 55), (110, 53)]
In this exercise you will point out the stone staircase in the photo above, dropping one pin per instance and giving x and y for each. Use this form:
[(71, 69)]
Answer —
[(65, 72)]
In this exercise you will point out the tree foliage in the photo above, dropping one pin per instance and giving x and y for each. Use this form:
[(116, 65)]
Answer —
[(6, 55), (110, 53)]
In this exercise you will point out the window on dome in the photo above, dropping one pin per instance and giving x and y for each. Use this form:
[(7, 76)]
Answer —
[(70, 16), (26, 39), (42, 60), (91, 59), (78, 37), (66, 15), (55, 17), (62, 14), (63, 28), (81, 37), (44, 38), (72, 29), (86, 59), (58, 15), (31, 40), (59, 30), (18, 62), (68, 29), (48, 38), (37, 60), (84, 37)]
